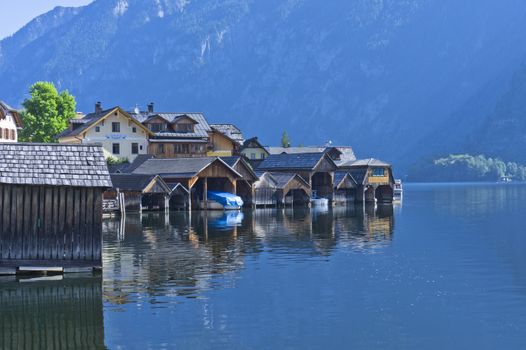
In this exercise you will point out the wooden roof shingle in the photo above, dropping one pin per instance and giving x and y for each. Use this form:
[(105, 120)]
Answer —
[(53, 165), (297, 161)]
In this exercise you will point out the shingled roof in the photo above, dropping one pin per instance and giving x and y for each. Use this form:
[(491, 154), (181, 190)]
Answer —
[(300, 161), (136, 182), (53, 164), (283, 179), (231, 131), (179, 167), (202, 128), (369, 162)]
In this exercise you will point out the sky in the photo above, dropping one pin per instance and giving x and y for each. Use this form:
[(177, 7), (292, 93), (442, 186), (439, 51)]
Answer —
[(14, 14)]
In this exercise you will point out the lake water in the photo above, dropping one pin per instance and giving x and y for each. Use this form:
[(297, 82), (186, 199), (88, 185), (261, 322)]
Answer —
[(444, 270)]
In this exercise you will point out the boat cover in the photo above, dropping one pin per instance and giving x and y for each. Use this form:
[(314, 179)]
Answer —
[(228, 200)]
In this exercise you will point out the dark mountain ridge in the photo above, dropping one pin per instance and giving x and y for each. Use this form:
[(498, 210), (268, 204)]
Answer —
[(399, 80)]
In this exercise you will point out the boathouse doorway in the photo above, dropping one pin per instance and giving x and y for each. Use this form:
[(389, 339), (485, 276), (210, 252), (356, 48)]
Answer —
[(384, 194), (321, 183), (296, 197)]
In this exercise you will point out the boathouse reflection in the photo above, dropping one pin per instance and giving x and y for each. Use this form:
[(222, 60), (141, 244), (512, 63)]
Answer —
[(51, 314), (181, 253)]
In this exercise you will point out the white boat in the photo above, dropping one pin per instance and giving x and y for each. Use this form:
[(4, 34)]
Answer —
[(320, 202), (398, 190)]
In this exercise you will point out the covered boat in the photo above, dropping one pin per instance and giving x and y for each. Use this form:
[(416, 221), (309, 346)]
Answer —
[(223, 200)]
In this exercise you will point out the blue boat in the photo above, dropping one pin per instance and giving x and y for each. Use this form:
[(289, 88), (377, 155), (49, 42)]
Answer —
[(223, 200)]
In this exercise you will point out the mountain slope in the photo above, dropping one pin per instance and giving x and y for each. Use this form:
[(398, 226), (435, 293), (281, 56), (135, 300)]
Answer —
[(384, 76)]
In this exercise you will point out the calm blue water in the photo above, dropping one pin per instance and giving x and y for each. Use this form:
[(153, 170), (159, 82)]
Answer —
[(444, 270)]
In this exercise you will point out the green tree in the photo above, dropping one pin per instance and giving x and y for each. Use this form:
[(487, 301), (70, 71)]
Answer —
[(46, 113), (285, 141)]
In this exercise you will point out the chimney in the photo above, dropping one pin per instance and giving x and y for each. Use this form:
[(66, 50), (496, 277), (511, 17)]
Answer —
[(150, 107), (98, 107)]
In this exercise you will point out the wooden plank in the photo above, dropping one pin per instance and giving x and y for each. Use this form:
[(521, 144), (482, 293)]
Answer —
[(14, 225), (82, 228), (55, 234), (27, 222), (76, 224), (33, 231), (89, 232), (48, 223), (61, 222), (68, 229), (41, 221), (19, 237), (97, 225)]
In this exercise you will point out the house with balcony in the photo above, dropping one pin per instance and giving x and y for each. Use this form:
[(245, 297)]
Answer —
[(187, 134)]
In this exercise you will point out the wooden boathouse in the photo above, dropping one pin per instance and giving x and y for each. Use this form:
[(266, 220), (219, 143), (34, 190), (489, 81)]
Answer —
[(374, 178), (344, 188), (51, 207), (317, 169), (198, 175), (139, 192), (245, 185), (281, 189)]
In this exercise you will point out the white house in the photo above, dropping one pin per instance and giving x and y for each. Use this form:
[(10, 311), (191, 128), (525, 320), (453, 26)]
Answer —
[(10, 123), (120, 135)]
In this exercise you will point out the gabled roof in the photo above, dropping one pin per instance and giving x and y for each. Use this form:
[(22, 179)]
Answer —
[(179, 186), (53, 165), (359, 174), (253, 143), (345, 153), (231, 131), (300, 161), (341, 176), (92, 119), (137, 182), (6, 110), (283, 179), (233, 161), (180, 167), (137, 162), (202, 128)]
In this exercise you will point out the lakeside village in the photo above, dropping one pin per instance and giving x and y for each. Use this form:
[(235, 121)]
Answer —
[(53, 196)]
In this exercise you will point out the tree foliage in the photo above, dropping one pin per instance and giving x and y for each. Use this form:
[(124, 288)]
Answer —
[(46, 112), (466, 167), (285, 141)]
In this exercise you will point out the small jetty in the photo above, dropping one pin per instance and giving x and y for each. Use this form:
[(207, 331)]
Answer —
[(51, 207)]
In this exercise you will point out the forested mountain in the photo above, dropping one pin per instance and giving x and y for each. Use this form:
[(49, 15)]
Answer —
[(400, 80)]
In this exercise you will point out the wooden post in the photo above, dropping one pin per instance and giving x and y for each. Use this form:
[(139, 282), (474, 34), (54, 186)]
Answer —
[(205, 194)]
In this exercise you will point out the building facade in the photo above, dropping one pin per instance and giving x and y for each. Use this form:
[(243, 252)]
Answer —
[(10, 123), (120, 135)]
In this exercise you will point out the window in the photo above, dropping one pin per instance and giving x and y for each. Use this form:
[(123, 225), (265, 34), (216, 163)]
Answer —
[(157, 127), (1, 133), (262, 155), (135, 148), (6, 134), (97, 129), (160, 148), (115, 127), (13, 135), (378, 172), (184, 127), (116, 148), (252, 156), (140, 147), (134, 130)]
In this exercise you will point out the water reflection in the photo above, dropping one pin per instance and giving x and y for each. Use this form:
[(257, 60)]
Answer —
[(51, 314), (180, 254)]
